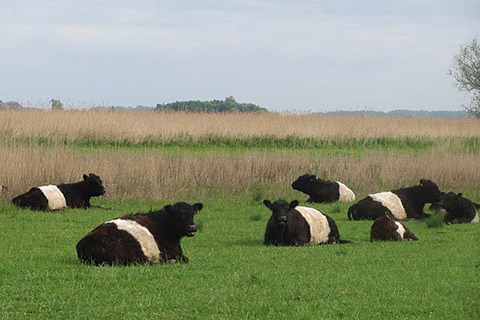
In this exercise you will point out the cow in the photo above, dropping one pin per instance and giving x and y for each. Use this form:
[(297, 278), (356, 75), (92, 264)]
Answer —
[(405, 203), (152, 237), (293, 225), (65, 195), (459, 209), (386, 228), (323, 190)]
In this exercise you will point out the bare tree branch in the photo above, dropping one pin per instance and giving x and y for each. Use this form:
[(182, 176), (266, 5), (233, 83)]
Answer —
[(466, 72)]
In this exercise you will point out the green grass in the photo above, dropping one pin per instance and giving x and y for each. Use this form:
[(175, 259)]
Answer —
[(238, 144), (232, 275)]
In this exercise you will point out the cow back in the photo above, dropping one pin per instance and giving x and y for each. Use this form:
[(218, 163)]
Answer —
[(345, 193), (56, 199), (143, 236), (318, 223), (391, 201)]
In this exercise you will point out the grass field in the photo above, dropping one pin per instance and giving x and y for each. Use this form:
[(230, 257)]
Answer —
[(232, 275), (231, 163)]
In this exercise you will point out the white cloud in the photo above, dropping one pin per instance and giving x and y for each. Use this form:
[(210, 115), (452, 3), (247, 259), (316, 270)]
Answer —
[(282, 54)]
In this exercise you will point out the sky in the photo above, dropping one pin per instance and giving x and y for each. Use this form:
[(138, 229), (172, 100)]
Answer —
[(307, 56)]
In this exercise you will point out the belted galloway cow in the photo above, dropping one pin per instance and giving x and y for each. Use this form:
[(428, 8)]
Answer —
[(65, 195), (405, 203), (459, 209), (323, 190), (293, 225), (152, 237)]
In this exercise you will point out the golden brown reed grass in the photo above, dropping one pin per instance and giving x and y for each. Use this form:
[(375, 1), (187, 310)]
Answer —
[(188, 176), (137, 126)]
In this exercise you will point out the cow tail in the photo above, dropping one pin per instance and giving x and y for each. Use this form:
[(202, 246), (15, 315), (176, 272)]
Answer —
[(351, 213), (344, 241)]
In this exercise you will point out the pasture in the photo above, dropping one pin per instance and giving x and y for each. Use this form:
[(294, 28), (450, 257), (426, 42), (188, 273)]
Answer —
[(231, 163)]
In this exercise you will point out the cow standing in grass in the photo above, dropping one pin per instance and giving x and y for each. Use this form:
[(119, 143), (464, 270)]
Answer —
[(459, 209), (323, 190), (151, 237), (405, 203), (68, 195), (292, 225), (385, 228)]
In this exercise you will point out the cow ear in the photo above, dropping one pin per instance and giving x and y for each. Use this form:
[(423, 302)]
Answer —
[(197, 206), (85, 177), (293, 204), (268, 204), (313, 177), (460, 195), (422, 181), (168, 208)]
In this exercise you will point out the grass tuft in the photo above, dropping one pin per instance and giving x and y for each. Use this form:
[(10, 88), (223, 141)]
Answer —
[(435, 221), (256, 217)]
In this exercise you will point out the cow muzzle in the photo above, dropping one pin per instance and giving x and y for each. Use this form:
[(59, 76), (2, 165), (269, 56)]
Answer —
[(191, 229), (282, 220)]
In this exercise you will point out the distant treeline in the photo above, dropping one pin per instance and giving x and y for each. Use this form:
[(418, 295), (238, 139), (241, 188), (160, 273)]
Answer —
[(230, 105), (401, 113), (227, 105)]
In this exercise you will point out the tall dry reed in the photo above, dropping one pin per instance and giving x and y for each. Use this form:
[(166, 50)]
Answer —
[(137, 126), (167, 176)]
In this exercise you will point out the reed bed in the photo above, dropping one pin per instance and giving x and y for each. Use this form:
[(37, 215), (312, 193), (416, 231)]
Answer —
[(170, 176), (140, 126)]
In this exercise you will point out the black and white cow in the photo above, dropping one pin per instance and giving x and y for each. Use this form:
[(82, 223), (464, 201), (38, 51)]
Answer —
[(65, 195), (323, 190), (459, 209), (293, 225), (405, 203), (149, 237), (386, 228)]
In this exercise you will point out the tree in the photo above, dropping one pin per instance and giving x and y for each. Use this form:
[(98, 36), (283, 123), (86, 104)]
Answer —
[(227, 105), (466, 72), (56, 104)]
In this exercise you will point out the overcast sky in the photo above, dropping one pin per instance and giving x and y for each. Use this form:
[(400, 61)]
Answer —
[(283, 55)]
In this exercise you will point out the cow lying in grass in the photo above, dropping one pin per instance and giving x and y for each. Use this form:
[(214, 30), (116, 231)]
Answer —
[(68, 195), (291, 225), (459, 209), (405, 203), (385, 228), (323, 190), (151, 237)]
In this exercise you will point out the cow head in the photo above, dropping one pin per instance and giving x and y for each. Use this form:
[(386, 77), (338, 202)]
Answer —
[(390, 220), (280, 210), (181, 217), (94, 185), (303, 182), (451, 201), (431, 192)]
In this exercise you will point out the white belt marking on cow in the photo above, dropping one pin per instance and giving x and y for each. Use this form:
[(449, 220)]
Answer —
[(391, 201), (142, 235), (346, 194), (475, 219), (400, 230), (55, 197), (319, 228)]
